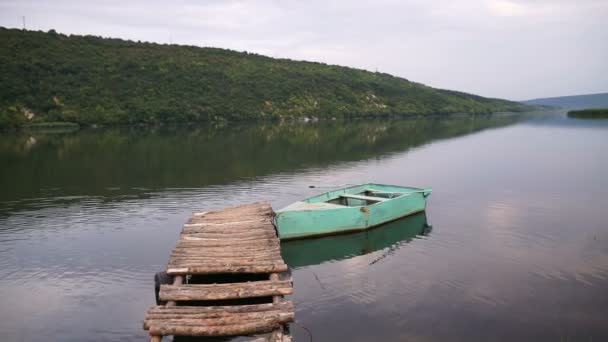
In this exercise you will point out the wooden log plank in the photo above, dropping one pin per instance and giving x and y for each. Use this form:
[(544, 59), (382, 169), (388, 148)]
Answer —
[(226, 330), (227, 222), (236, 217), (260, 204), (230, 248), (210, 260), (226, 229), (238, 209), (231, 214), (193, 261), (228, 240), (226, 251), (157, 316), (241, 211), (225, 255), (191, 251), (254, 205), (257, 243), (232, 235), (234, 250), (218, 321), (226, 259), (245, 248), (225, 291), (287, 305), (273, 268), (233, 231), (226, 265), (237, 220)]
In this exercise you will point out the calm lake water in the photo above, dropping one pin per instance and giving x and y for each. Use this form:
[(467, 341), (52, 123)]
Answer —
[(513, 246)]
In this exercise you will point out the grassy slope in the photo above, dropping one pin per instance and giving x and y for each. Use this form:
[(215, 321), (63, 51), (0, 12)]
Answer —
[(88, 80)]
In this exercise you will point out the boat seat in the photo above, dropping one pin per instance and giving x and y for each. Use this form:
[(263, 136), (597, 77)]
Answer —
[(365, 198)]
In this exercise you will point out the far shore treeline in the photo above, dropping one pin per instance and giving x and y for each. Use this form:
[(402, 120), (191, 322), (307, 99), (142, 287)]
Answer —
[(592, 113), (47, 77)]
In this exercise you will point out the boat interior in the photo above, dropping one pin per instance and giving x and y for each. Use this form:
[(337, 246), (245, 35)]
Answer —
[(364, 198)]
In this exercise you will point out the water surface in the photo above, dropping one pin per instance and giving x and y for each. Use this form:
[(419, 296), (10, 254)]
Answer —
[(513, 246)]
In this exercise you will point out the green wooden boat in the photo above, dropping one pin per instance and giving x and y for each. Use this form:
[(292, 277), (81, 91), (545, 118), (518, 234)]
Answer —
[(390, 236), (349, 209)]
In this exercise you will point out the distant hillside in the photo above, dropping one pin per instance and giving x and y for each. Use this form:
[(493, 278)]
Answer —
[(573, 102), (51, 77)]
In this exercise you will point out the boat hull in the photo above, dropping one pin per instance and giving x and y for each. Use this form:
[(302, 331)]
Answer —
[(309, 218)]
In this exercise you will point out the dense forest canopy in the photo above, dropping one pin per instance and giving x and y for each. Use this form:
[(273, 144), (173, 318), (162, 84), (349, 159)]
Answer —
[(51, 77)]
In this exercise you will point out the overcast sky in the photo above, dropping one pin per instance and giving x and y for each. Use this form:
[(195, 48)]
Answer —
[(498, 48)]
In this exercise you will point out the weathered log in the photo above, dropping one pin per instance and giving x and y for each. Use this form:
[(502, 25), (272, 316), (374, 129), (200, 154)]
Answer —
[(232, 248), (211, 260), (231, 241), (266, 212), (226, 252), (226, 330), (226, 222), (227, 269), (235, 218), (223, 263), (287, 305), (225, 291), (232, 235), (227, 238), (240, 211), (254, 205), (284, 317), (227, 264), (248, 206), (207, 315), (226, 229), (225, 255)]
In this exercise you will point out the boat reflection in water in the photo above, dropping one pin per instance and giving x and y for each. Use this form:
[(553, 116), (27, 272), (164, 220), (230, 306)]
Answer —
[(314, 251)]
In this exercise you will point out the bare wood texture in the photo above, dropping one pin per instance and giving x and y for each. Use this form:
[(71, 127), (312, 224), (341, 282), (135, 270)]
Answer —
[(222, 309), (281, 317), (225, 291), (225, 330), (218, 320), (270, 268)]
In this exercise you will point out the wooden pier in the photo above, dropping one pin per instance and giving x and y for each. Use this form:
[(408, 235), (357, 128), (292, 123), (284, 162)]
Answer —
[(235, 255)]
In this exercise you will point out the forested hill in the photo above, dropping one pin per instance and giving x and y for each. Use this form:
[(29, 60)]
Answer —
[(51, 77)]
